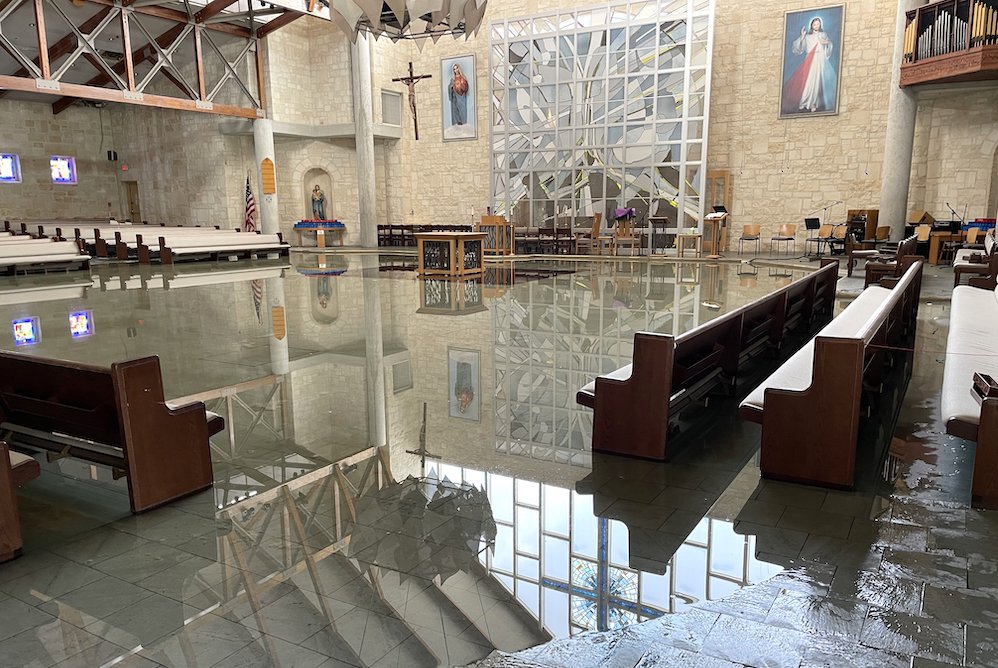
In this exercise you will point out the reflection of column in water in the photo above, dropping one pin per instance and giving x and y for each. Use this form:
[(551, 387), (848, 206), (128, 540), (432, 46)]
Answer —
[(279, 356), (374, 346)]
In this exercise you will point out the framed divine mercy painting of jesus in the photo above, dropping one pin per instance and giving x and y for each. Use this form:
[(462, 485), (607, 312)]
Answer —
[(812, 62)]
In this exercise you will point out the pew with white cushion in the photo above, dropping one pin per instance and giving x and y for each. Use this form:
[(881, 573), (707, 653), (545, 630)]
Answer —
[(174, 247), (825, 380), (964, 262), (972, 347), (42, 256)]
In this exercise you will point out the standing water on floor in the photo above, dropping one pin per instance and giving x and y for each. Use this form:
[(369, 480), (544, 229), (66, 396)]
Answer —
[(486, 523)]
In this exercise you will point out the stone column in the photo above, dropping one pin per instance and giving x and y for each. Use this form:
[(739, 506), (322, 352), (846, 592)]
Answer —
[(377, 412), (263, 142), (363, 112), (280, 360), (900, 140)]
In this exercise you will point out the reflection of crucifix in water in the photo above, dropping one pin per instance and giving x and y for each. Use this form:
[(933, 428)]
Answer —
[(411, 82)]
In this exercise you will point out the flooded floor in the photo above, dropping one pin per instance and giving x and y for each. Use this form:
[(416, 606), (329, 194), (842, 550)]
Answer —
[(485, 529)]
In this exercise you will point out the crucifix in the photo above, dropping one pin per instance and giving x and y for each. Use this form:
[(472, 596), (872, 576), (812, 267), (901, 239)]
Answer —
[(411, 81)]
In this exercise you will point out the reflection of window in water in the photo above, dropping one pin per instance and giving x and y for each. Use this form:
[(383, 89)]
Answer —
[(551, 546)]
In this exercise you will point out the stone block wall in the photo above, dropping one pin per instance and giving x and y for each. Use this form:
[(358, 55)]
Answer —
[(956, 139), (30, 130)]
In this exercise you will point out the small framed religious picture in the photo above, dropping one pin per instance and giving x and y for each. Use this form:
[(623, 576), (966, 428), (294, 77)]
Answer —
[(812, 62), (464, 383), (458, 101)]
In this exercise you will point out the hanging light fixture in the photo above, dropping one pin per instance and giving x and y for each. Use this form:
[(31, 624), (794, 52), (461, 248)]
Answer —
[(408, 19)]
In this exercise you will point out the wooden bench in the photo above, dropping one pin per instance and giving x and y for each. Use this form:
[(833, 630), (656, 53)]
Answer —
[(970, 349), (16, 470), (825, 380), (979, 261), (41, 255), (248, 244), (115, 417), (887, 263), (636, 406)]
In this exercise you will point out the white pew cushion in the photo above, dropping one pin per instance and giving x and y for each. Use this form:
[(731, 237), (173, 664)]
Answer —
[(795, 374), (971, 347), (17, 459)]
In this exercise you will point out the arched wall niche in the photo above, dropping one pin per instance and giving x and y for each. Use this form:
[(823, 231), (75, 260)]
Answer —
[(317, 176)]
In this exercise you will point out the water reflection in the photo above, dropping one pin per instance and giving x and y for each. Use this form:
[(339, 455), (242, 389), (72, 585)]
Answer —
[(312, 542)]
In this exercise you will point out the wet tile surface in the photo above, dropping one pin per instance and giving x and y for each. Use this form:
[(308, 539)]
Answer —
[(496, 538)]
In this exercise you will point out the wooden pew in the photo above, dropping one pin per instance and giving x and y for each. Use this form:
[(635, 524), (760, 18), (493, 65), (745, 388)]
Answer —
[(16, 470), (115, 417), (890, 264), (194, 247), (41, 255), (634, 406), (825, 380), (970, 349)]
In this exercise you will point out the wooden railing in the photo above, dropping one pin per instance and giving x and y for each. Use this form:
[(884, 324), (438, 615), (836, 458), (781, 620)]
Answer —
[(948, 41)]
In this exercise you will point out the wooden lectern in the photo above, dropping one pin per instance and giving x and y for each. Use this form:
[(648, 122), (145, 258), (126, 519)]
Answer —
[(716, 222), (919, 217)]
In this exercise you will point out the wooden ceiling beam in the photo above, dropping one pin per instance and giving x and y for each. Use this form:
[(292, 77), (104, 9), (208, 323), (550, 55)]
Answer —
[(181, 17), (76, 91), (138, 56), (211, 9), (281, 21)]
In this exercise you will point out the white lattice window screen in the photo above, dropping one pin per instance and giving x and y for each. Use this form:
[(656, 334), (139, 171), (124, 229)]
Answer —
[(391, 107), (600, 108)]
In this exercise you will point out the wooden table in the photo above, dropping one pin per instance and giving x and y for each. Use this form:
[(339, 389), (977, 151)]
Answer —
[(936, 241), (450, 253), (498, 235), (320, 227), (684, 239)]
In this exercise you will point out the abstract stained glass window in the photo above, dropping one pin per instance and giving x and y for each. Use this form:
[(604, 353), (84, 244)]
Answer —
[(602, 108)]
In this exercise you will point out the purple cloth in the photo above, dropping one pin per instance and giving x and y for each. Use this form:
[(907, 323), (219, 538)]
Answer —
[(621, 213)]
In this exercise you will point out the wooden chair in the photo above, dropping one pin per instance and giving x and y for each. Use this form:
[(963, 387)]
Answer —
[(922, 233), (624, 235), (597, 240), (948, 251), (751, 232), (824, 234), (787, 233)]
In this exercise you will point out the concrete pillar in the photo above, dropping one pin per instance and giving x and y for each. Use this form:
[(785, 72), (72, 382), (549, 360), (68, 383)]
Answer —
[(900, 140), (363, 116), (263, 142), (377, 412)]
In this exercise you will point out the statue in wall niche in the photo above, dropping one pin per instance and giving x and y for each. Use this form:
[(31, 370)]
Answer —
[(318, 203)]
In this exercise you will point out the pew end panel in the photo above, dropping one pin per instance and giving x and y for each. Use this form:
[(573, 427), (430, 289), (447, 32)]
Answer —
[(984, 489), (825, 456), (167, 455), (10, 526), (621, 423)]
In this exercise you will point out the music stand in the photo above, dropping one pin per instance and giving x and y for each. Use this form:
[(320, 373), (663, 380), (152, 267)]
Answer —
[(812, 224)]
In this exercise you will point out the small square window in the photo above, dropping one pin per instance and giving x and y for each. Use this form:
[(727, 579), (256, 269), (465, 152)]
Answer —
[(10, 168), (391, 107), (63, 169)]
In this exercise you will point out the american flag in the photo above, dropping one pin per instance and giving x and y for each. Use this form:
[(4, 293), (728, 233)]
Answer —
[(249, 225)]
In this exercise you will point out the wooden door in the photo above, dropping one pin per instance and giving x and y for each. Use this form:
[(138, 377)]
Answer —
[(132, 192)]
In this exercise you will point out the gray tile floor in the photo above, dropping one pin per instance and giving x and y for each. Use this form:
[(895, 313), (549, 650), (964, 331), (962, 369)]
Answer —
[(314, 555)]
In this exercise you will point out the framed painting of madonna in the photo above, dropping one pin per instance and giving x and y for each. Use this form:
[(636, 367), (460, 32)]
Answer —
[(812, 62), (458, 99)]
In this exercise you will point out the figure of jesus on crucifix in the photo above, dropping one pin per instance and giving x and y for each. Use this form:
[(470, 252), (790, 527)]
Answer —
[(410, 82)]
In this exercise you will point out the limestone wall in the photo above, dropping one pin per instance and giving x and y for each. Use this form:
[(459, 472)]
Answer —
[(956, 139), (35, 134)]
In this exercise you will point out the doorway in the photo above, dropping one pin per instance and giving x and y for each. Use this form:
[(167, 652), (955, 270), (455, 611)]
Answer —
[(132, 194)]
